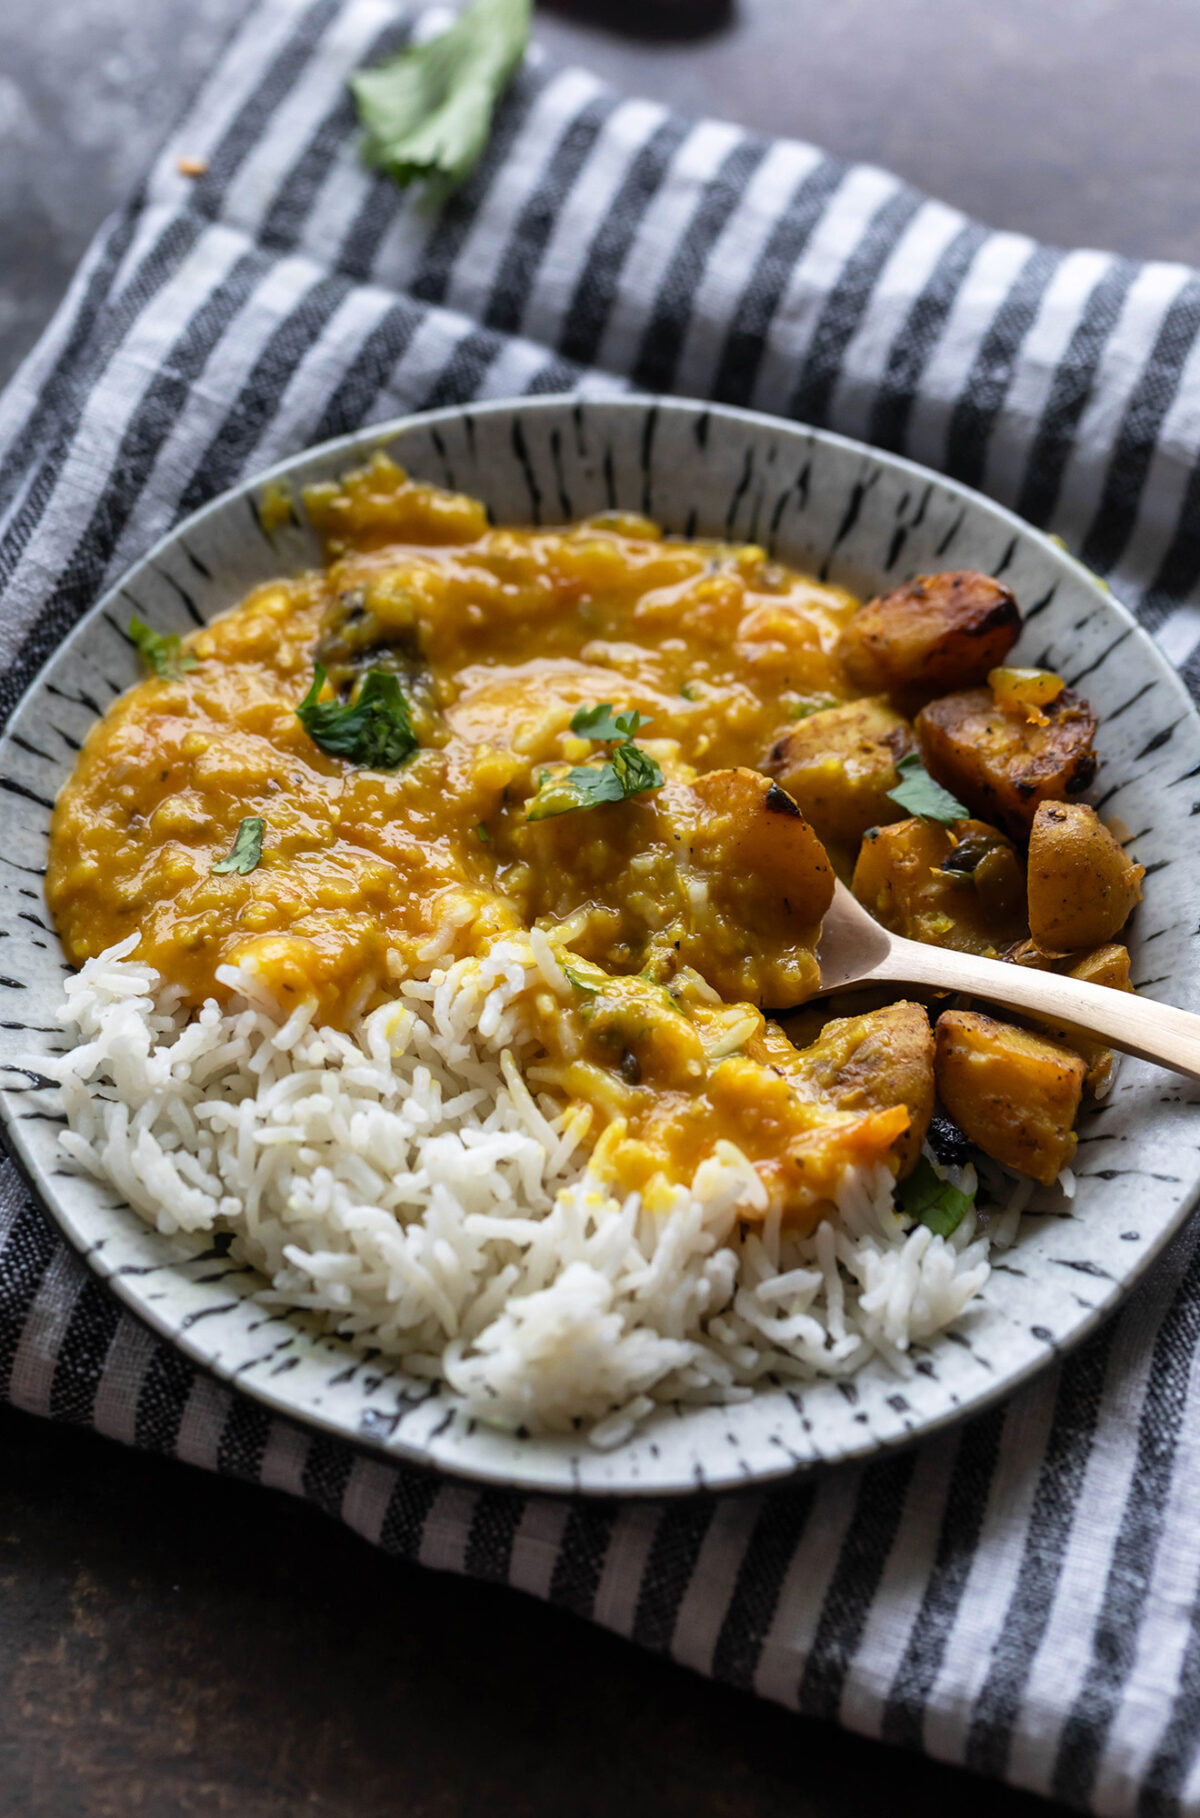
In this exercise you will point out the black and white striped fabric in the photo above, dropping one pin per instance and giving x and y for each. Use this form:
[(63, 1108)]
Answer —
[(1021, 1595)]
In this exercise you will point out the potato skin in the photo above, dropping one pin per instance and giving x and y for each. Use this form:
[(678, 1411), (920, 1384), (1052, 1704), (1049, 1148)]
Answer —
[(1003, 765), (1082, 885), (870, 1061), (751, 828), (1108, 965), (899, 878), (1013, 1093), (840, 764), (767, 884), (938, 631), (862, 1063)]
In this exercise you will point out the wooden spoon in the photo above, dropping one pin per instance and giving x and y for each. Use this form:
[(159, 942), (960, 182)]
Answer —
[(855, 950)]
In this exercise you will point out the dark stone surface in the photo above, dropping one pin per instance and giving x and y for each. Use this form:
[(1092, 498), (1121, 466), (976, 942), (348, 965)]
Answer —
[(172, 1644), (88, 89)]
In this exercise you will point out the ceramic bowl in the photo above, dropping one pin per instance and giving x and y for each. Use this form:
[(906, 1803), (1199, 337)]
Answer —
[(850, 514)]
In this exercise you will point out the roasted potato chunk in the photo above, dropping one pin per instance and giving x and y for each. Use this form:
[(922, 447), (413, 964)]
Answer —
[(937, 632), (865, 1063), (1002, 764), (1013, 1093), (958, 887), (1082, 886), (756, 886), (720, 872), (1108, 965), (840, 764)]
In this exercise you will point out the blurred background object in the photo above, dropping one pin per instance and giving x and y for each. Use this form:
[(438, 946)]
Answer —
[(657, 20)]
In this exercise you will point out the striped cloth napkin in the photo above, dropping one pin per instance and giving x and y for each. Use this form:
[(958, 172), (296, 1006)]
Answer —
[(1019, 1595)]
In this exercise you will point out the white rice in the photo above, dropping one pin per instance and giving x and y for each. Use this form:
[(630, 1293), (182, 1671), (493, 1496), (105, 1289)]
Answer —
[(404, 1182)]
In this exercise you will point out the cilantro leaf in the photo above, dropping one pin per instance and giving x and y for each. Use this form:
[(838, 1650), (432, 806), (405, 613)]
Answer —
[(428, 111), (919, 794), (628, 770), (600, 723), (247, 848), (584, 787), (635, 770), (373, 730), (932, 1201), (595, 722), (161, 652)]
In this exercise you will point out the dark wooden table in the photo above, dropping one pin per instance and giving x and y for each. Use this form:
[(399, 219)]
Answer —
[(173, 1644)]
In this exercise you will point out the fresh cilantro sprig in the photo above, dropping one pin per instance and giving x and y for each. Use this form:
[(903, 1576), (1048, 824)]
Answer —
[(626, 771), (247, 848), (161, 652), (373, 730), (428, 111), (933, 1201), (919, 794)]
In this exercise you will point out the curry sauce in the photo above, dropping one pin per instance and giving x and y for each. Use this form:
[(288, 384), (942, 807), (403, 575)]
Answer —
[(680, 907)]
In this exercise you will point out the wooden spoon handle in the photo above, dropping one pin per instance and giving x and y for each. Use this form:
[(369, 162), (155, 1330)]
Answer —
[(1137, 1025)]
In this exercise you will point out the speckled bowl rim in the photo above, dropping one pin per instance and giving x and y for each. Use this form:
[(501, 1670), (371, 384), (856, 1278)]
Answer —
[(416, 1455)]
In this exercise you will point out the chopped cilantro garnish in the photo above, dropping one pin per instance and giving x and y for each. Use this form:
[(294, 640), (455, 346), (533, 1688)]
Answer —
[(932, 1201), (428, 111), (482, 834), (919, 794), (601, 723), (373, 730), (247, 848), (161, 652), (635, 771), (627, 770), (586, 786)]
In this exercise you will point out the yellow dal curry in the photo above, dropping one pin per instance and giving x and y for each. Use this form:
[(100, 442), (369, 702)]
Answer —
[(679, 912)]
